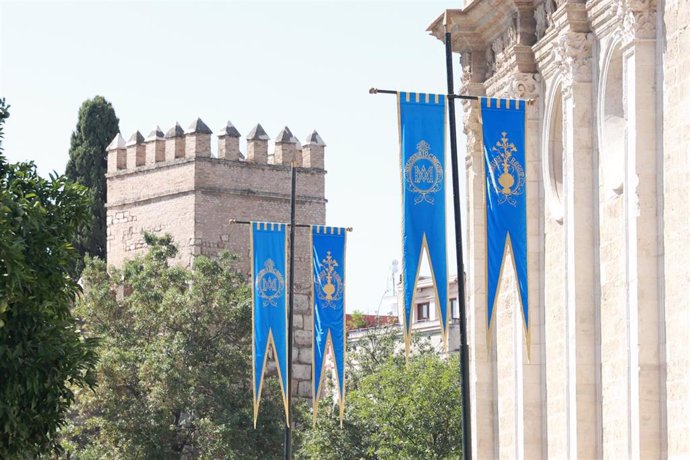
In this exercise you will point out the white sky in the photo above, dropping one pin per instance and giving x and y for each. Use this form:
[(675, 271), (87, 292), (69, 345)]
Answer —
[(307, 65)]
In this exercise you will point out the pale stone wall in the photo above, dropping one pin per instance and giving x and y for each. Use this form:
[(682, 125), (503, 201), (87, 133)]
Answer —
[(192, 195), (676, 223), (159, 200), (606, 374)]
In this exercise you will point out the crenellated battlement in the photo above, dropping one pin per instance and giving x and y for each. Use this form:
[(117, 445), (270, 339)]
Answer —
[(195, 142), (175, 183)]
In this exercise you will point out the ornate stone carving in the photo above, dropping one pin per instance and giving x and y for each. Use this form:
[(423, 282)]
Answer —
[(490, 62), (637, 18), (525, 86), (543, 15), (472, 129), (540, 19), (499, 54), (503, 45), (572, 53), (466, 64)]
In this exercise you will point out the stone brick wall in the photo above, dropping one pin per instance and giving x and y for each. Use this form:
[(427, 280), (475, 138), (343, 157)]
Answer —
[(676, 223), (192, 195), (608, 263)]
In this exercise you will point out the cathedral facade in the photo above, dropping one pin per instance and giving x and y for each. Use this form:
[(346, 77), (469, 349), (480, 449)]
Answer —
[(606, 370)]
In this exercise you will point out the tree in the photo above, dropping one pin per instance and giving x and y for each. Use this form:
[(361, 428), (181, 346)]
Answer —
[(43, 355), (394, 410), (175, 370), (87, 165)]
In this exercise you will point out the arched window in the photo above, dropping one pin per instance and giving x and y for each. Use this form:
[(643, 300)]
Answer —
[(553, 150), (612, 123)]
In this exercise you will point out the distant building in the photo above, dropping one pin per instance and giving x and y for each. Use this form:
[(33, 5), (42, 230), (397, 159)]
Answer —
[(356, 321), (425, 322)]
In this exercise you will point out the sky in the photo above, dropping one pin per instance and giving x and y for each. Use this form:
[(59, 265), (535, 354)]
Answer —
[(305, 65)]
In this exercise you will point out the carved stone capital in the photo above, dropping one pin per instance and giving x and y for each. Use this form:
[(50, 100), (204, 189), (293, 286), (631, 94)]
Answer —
[(500, 52), (637, 19), (472, 129), (466, 64), (525, 86), (572, 53)]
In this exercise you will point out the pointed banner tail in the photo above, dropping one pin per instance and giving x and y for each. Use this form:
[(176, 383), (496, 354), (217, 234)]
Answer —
[(328, 265), (422, 119), (503, 128), (269, 311)]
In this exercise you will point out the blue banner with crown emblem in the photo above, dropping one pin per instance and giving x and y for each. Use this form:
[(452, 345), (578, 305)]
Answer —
[(328, 264), (422, 145), (503, 127), (269, 313)]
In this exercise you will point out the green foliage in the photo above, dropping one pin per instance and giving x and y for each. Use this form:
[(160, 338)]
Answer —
[(43, 354), (87, 165), (175, 369), (394, 410), (357, 320)]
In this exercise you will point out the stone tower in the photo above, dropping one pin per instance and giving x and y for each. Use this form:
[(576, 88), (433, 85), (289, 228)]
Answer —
[(171, 183)]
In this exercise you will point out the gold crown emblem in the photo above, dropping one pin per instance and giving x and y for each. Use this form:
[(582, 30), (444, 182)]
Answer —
[(330, 282), (511, 180), (270, 284)]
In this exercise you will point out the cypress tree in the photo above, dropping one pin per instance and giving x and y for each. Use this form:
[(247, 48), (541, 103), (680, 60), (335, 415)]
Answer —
[(87, 165)]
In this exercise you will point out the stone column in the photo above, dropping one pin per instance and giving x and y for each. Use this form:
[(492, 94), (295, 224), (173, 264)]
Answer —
[(676, 225), (529, 395), (482, 358), (573, 52), (641, 221)]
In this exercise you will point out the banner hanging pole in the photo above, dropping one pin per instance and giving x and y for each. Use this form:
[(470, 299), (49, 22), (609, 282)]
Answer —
[(464, 347), (288, 425)]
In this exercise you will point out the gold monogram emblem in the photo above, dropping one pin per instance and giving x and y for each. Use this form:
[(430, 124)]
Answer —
[(423, 174), (511, 175), (331, 290), (270, 284)]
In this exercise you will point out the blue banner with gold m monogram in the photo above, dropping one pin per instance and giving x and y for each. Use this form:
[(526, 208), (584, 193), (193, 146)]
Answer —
[(269, 313), (503, 127), (328, 266), (422, 149)]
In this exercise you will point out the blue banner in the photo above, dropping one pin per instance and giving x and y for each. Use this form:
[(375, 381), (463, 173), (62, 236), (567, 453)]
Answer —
[(269, 313), (503, 126), (422, 145), (328, 262)]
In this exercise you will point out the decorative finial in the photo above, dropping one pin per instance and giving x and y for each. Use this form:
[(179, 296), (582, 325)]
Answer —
[(198, 127), (175, 131), (118, 142), (258, 133), (315, 139), (156, 134), (229, 130), (136, 139), (284, 136)]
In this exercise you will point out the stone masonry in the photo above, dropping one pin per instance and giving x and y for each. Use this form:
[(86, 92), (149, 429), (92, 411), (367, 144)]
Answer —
[(171, 183), (607, 373)]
